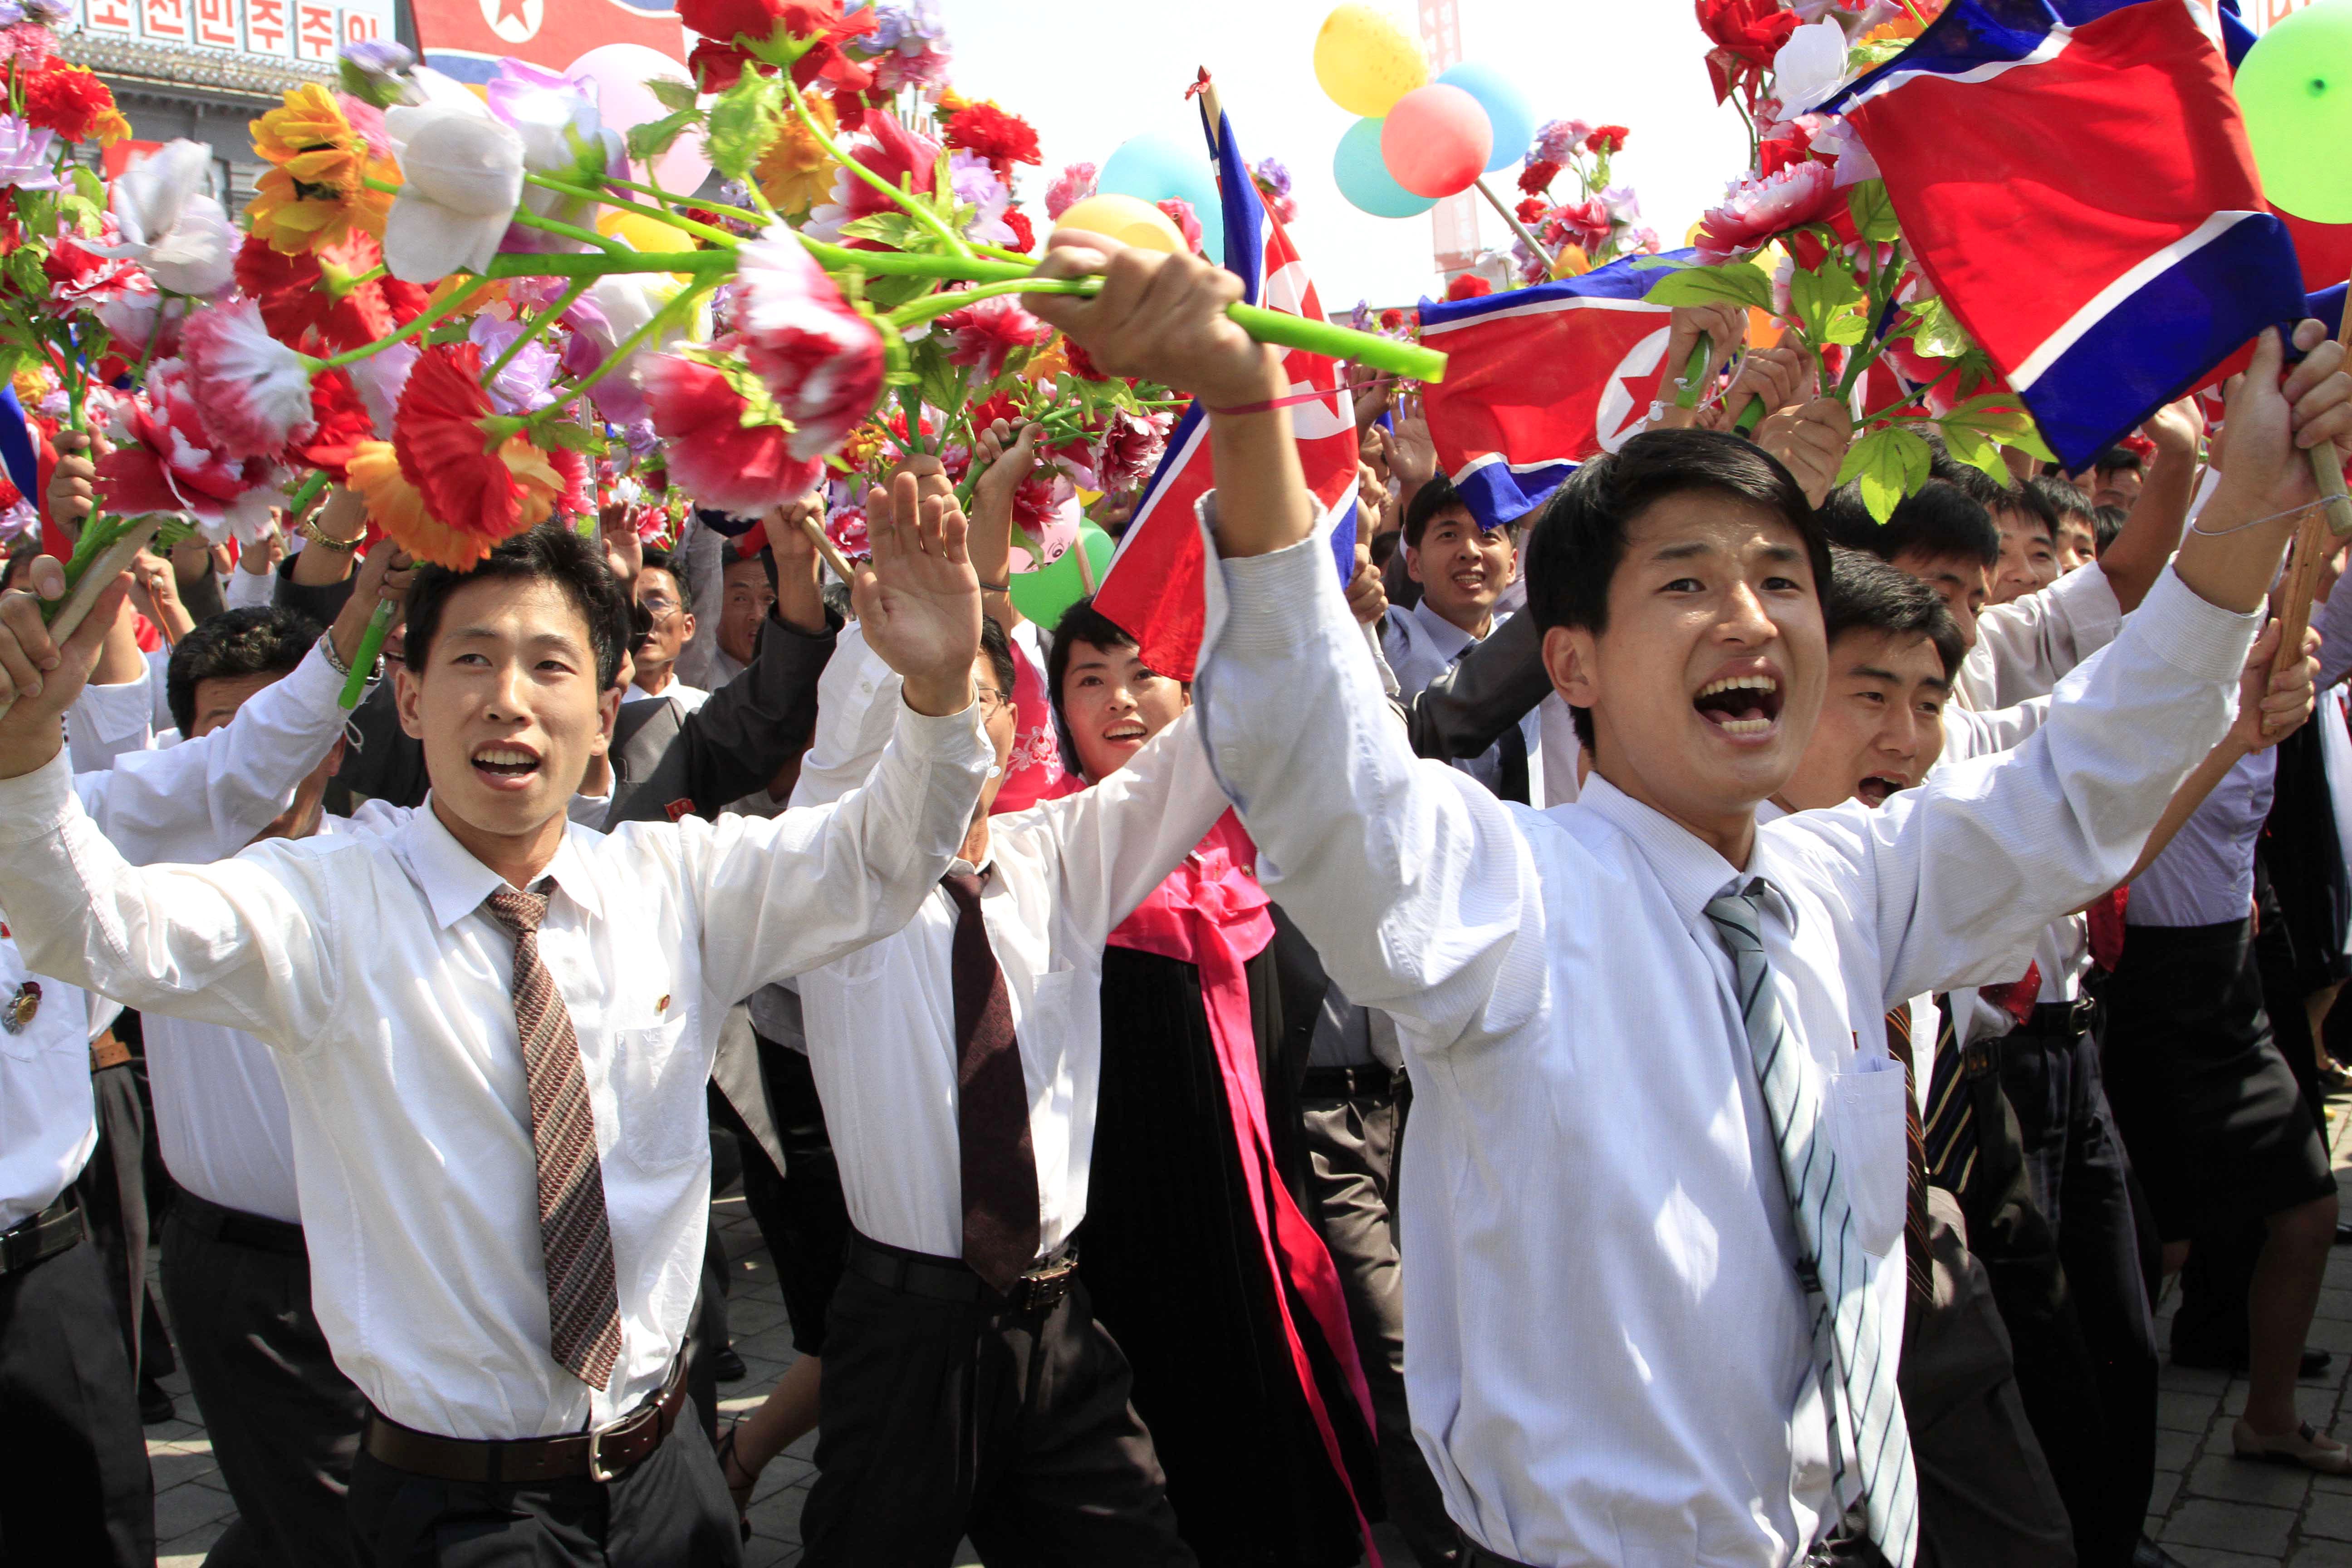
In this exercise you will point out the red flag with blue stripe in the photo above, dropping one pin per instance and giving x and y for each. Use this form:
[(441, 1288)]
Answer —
[(2073, 178), (1153, 587), (1538, 379)]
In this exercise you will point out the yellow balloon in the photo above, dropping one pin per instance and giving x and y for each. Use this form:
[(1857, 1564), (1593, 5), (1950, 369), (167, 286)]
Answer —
[(1126, 219), (1365, 62)]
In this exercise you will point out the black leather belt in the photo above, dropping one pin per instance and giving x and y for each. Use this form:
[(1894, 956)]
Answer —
[(238, 1228), (1036, 1292), (2060, 1020), (1368, 1081), (604, 1455), (44, 1235)]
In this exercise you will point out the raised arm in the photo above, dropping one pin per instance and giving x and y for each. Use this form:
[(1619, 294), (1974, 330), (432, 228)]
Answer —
[(1487, 690), (1120, 838)]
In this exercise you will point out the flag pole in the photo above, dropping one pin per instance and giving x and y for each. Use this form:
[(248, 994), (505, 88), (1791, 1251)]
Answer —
[(2325, 527), (1526, 235)]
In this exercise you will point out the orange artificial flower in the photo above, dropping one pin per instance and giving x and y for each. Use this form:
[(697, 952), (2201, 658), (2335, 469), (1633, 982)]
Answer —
[(316, 192), (796, 173)]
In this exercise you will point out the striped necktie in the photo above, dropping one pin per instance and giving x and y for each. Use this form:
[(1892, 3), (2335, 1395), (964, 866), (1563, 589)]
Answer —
[(1950, 1134), (1852, 1351), (1916, 1258), (575, 1243)]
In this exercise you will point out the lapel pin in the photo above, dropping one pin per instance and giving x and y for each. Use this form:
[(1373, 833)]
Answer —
[(21, 1007)]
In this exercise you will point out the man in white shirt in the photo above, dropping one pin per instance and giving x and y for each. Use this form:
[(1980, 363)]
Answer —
[(494, 1030), (1462, 569), (1635, 1023)]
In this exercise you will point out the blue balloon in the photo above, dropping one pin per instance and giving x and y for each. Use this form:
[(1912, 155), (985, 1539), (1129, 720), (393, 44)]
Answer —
[(1506, 111), (1155, 167), (1366, 182)]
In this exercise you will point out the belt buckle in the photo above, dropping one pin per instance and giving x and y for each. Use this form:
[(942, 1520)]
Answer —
[(596, 1471), (1043, 1291)]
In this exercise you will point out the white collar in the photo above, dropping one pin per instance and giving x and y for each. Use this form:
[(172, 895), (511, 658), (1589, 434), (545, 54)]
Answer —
[(455, 882)]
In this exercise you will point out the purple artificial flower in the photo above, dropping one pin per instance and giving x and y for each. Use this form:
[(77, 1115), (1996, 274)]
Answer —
[(49, 13), (1272, 178), (378, 56), (11, 13), (527, 382), (1559, 142), (25, 156), (977, 184)]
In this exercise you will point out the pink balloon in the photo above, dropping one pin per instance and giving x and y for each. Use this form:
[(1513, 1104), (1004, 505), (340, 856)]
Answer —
[(1435, 140), (621, 72)]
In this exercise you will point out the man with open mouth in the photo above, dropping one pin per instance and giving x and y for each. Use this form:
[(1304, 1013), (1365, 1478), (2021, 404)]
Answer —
[(1640, 1018), (494, 1027)]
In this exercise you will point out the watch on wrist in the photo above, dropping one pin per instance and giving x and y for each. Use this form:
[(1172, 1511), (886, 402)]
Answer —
[(336, 663), (308, 529)]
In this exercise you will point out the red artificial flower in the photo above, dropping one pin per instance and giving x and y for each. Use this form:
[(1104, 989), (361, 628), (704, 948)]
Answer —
[(67, 99), (1531, 210), (821, 360), (1468, 286), (1584, 224), (718, 66), (1391, 319), (1024, 237), (315, 302), (995, 406), (1179, 212), (717, 459), (1538, 176), (1130, 448), (1746, 33), (1607, 140), (343, 423), (172, 462), (985, 333), (904, 160), (1758, 209), (1082, 364), (759, 21), (439, 433), (1003, 139)]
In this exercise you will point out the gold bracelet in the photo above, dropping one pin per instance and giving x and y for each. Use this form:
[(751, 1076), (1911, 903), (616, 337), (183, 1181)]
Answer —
[(309, 530)]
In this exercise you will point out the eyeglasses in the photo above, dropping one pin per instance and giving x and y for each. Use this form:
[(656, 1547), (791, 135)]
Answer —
[(659, 606), (991, 700)]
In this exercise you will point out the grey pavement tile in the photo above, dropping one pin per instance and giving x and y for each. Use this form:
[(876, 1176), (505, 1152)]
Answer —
[(2229, 1526), (2322, 1555), (2219, 1475), (2192, 1379), (2174, 1450), (188, 1506), (2206, 1557), (2165, 1492), (2329, 1514), (2335, 1304), (2177, 1412)]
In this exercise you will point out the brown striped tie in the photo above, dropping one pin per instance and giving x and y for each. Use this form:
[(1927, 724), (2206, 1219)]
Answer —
[(1916, 1256), (583, 1309)]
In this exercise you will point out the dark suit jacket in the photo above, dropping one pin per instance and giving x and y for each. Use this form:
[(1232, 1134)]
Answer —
[(1489, 688)]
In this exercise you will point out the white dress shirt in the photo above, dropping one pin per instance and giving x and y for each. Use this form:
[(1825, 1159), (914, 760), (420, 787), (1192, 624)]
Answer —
[(244, 590), (47, 1121), (881, 1022), (106, 721), (2024, 647), (686, 696), (366, 963), (1611, 1360)]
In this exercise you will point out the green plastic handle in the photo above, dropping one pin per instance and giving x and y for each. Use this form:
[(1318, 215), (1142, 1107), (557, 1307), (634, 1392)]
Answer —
[(379, 627)]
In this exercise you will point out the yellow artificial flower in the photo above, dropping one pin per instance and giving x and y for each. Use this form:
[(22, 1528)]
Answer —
[(796, 173), (316, 192)]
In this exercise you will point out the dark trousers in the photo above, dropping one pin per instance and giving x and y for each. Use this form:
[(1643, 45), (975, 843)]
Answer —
[(670, 1512), (113, 1189), (74, 1485), (283, 1419), (944, 1418), (809, 1215), (1351, 1143), (2080, 1178)]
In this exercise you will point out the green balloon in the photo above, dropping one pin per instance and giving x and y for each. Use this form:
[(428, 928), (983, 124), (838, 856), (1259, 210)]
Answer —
[(1044, 595), (2294, 89)]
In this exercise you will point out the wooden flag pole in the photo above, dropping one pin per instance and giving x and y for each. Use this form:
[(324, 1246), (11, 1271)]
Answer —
[(826, 548), (1525, 234), (2324, 530), (101, 571)]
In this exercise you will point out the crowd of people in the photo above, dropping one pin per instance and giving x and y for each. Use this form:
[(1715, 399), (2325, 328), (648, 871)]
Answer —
[(1694, 1028)]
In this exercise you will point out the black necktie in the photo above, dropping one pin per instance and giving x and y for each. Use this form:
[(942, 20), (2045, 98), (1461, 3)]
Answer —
[(999, 1168)]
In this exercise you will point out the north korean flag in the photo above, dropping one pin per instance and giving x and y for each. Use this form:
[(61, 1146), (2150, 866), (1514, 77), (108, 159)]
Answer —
[(467, 39)]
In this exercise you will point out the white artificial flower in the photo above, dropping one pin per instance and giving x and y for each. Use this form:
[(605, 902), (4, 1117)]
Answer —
[(463, 180), (255, 391), (168, 225), (1810, 66)]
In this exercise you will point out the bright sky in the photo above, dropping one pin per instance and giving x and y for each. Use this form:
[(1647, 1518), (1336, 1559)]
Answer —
[(1088, 76)]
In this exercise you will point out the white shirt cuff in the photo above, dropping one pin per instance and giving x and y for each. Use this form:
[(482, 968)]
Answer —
[(33, 804), (2193, 634)]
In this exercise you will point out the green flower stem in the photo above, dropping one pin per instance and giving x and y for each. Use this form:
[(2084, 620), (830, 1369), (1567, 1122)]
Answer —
[(673, 199), (912, 402), (574, 232), (547, 319), (371, 648), (582, 192), (678, 305), (309, 491), (574, 265), (921, 214), (424, 323)]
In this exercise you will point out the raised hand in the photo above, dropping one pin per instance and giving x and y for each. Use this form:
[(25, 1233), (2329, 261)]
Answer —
[(1811, 441), (920, 601), (1412, 453), (800, 596), (384, 574), (624, 552), (1781, 376), (2271, 707), (1159, 317), (1368, 600), (73, 484), (2272, 421), (1726, 328), (38, 679)]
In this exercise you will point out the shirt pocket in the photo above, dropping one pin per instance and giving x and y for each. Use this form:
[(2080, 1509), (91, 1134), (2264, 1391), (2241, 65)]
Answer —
[(1047, 1022), (1867, 1127), (664, 1114)]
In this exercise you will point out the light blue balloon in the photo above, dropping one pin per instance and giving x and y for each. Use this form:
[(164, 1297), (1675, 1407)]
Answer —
[(1366, 182), (1506, 111), (1154, 166)]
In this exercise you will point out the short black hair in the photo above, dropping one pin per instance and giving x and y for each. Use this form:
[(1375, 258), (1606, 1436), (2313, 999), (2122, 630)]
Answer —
[(1938, 520), (2108, 522), (663, 561), (260, 640), (2064, 498), (2032, 505), (1432, 498), (2117, 459), (1579, 539), (999, 650), (1867, 595), (1081, 623), (550, 552)]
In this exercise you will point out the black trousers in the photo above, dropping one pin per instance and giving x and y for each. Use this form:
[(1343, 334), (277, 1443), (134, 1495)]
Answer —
[(803, 1215), (670, 1512), (283, 1419), (947, 1418), (74, 1484), (114, 1192), (2080, 1178)]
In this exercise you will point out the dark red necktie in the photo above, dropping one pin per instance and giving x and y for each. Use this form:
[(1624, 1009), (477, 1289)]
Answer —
[(2106, 915), (2017, 997), (999, 1168), (1917, 1260)]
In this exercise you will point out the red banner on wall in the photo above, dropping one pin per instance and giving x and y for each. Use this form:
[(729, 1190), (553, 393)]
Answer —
[(467, 39)]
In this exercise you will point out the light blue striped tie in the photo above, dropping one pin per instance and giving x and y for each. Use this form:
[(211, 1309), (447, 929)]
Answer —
[(1851, 1347)]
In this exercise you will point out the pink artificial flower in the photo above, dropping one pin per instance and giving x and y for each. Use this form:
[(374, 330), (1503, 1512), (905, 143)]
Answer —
[(987, 331), (1586, 224), (1179, 212), (822, 361), (1129, 449), (903, 158), (1558, 142), (716, 458), (846, 526), (1071, 186), (1758, 209), (166, 459), (255, 391)]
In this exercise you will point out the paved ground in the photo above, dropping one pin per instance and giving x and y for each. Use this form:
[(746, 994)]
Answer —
[(2211, 1511)]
